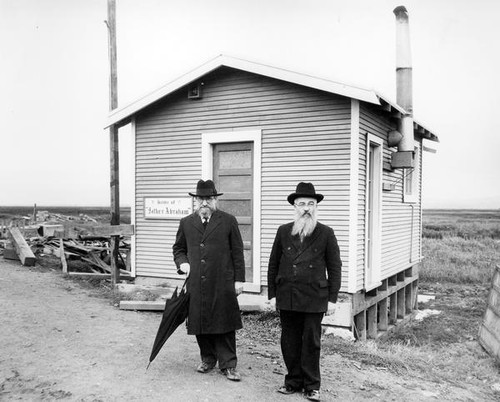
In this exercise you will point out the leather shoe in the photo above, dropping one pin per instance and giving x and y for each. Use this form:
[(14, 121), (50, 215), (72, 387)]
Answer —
[(312, 395), (205, 367), (232, 374), (286, 389)]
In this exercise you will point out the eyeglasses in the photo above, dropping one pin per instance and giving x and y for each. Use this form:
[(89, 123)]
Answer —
[(304, 204), (207, 199)]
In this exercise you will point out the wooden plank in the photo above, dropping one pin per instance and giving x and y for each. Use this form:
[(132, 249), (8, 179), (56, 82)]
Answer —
[(96, 261), (360, 326), (408, 299), (489, 342), (22, 249), (142, 305), (62, 256), (401, 303), (489, 332), (383, 315), (371, 322), (123, 276)]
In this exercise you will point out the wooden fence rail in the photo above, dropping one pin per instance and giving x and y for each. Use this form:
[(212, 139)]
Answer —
[(489, 332)]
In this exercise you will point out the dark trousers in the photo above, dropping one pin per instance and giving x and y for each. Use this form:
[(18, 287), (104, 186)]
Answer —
[(301, 345), (218, 348)]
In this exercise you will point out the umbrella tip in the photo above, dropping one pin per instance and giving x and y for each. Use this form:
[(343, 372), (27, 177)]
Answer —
[(148, 366)]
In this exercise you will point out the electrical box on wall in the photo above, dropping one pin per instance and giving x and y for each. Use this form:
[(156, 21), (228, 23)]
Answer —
[(386, 186), (403, 160)]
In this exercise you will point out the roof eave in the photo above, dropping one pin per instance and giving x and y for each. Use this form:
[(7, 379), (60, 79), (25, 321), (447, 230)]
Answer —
[(117, 116), (122, 116), (398, 111)]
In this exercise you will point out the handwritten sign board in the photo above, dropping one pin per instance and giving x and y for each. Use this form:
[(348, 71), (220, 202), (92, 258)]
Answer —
[(167, 208)]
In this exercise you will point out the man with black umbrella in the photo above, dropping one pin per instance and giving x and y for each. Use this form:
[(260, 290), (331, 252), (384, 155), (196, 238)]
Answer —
[(209, 249), (303, 279)]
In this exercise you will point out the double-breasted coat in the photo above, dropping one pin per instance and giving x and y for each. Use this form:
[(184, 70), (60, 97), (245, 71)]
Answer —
[(215, 255), (304, 276)]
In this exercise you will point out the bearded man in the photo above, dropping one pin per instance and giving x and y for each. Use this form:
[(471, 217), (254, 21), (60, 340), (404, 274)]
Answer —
[(303, 280), (209, 249)]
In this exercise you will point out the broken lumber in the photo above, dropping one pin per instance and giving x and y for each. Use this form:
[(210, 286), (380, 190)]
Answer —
[(22, 249)]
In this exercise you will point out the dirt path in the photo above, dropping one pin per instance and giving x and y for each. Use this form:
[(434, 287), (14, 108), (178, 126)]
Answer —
[(59, 342)]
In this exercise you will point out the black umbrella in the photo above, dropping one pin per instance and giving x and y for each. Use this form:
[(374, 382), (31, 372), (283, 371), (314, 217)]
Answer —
[(176, 311)]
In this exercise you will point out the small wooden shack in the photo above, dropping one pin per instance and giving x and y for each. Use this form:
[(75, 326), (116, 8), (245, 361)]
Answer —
[(257, 131)]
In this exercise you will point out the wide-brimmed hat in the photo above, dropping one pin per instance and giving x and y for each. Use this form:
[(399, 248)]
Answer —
[(205, 189), (305, 190)]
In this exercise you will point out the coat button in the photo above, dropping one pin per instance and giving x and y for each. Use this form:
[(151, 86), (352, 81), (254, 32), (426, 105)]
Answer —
[(310, 266), (295, 266), (203, 277), (202, 245), (203, 261)]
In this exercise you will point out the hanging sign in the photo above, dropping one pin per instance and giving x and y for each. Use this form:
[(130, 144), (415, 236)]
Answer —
[(167, 208)]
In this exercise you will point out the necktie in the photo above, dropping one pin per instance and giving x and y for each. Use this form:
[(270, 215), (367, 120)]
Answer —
[(205, 223)]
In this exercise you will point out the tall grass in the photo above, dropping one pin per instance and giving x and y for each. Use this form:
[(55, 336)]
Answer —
[(460, 247)]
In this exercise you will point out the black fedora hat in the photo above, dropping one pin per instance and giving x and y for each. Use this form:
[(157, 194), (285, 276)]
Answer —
[(305, 190), (205, 189)]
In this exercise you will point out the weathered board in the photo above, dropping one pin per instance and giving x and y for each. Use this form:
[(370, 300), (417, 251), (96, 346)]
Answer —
[(22, 249), (489, 332)]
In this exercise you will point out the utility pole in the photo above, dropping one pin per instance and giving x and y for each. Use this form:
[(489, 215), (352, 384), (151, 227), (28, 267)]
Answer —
[(113, 138)]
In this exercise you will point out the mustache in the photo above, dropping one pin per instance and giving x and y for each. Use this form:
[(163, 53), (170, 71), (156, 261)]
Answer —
[(305, 214)]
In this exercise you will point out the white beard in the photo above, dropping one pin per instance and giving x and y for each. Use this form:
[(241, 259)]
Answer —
[(206, 212), (304, 224)]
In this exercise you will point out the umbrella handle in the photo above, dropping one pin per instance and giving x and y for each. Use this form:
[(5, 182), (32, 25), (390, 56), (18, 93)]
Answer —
[(184, 284)]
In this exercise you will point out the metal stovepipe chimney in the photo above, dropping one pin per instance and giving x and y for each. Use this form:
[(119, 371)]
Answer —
[(404, 157)]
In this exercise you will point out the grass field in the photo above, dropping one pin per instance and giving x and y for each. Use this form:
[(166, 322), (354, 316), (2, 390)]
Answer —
[(460, 247), (461, 250)]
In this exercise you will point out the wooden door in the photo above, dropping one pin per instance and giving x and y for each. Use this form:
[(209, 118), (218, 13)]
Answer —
[(233, 176), (373, 214)]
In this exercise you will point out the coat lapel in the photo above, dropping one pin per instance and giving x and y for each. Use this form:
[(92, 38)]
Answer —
[(196, 222), (308, 242)]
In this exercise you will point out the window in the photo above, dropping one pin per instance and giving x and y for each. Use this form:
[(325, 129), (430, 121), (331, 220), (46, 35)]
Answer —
[(411, 180)]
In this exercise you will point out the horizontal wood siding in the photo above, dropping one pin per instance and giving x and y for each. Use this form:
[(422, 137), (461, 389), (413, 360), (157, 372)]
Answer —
[(401, 222), (362, 197), (305, 137)]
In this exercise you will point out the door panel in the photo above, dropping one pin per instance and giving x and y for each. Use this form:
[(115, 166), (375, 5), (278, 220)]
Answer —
[(233, 176)]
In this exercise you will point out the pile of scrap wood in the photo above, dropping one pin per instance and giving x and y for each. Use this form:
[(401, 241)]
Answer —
[(94, 250)]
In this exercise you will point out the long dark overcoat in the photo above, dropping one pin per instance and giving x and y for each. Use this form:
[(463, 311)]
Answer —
[(304, 276), (215, 255)]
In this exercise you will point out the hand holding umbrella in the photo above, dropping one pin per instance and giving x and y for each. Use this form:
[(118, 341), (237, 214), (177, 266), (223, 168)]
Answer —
[(175, 313)]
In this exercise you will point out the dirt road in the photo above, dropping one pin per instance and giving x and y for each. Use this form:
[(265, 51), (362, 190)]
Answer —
[(60, 342)]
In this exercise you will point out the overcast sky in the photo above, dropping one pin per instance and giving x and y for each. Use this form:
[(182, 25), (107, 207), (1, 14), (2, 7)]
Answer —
[(54, 80)]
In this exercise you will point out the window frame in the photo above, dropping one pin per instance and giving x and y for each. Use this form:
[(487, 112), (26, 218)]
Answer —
[(412, 176)]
